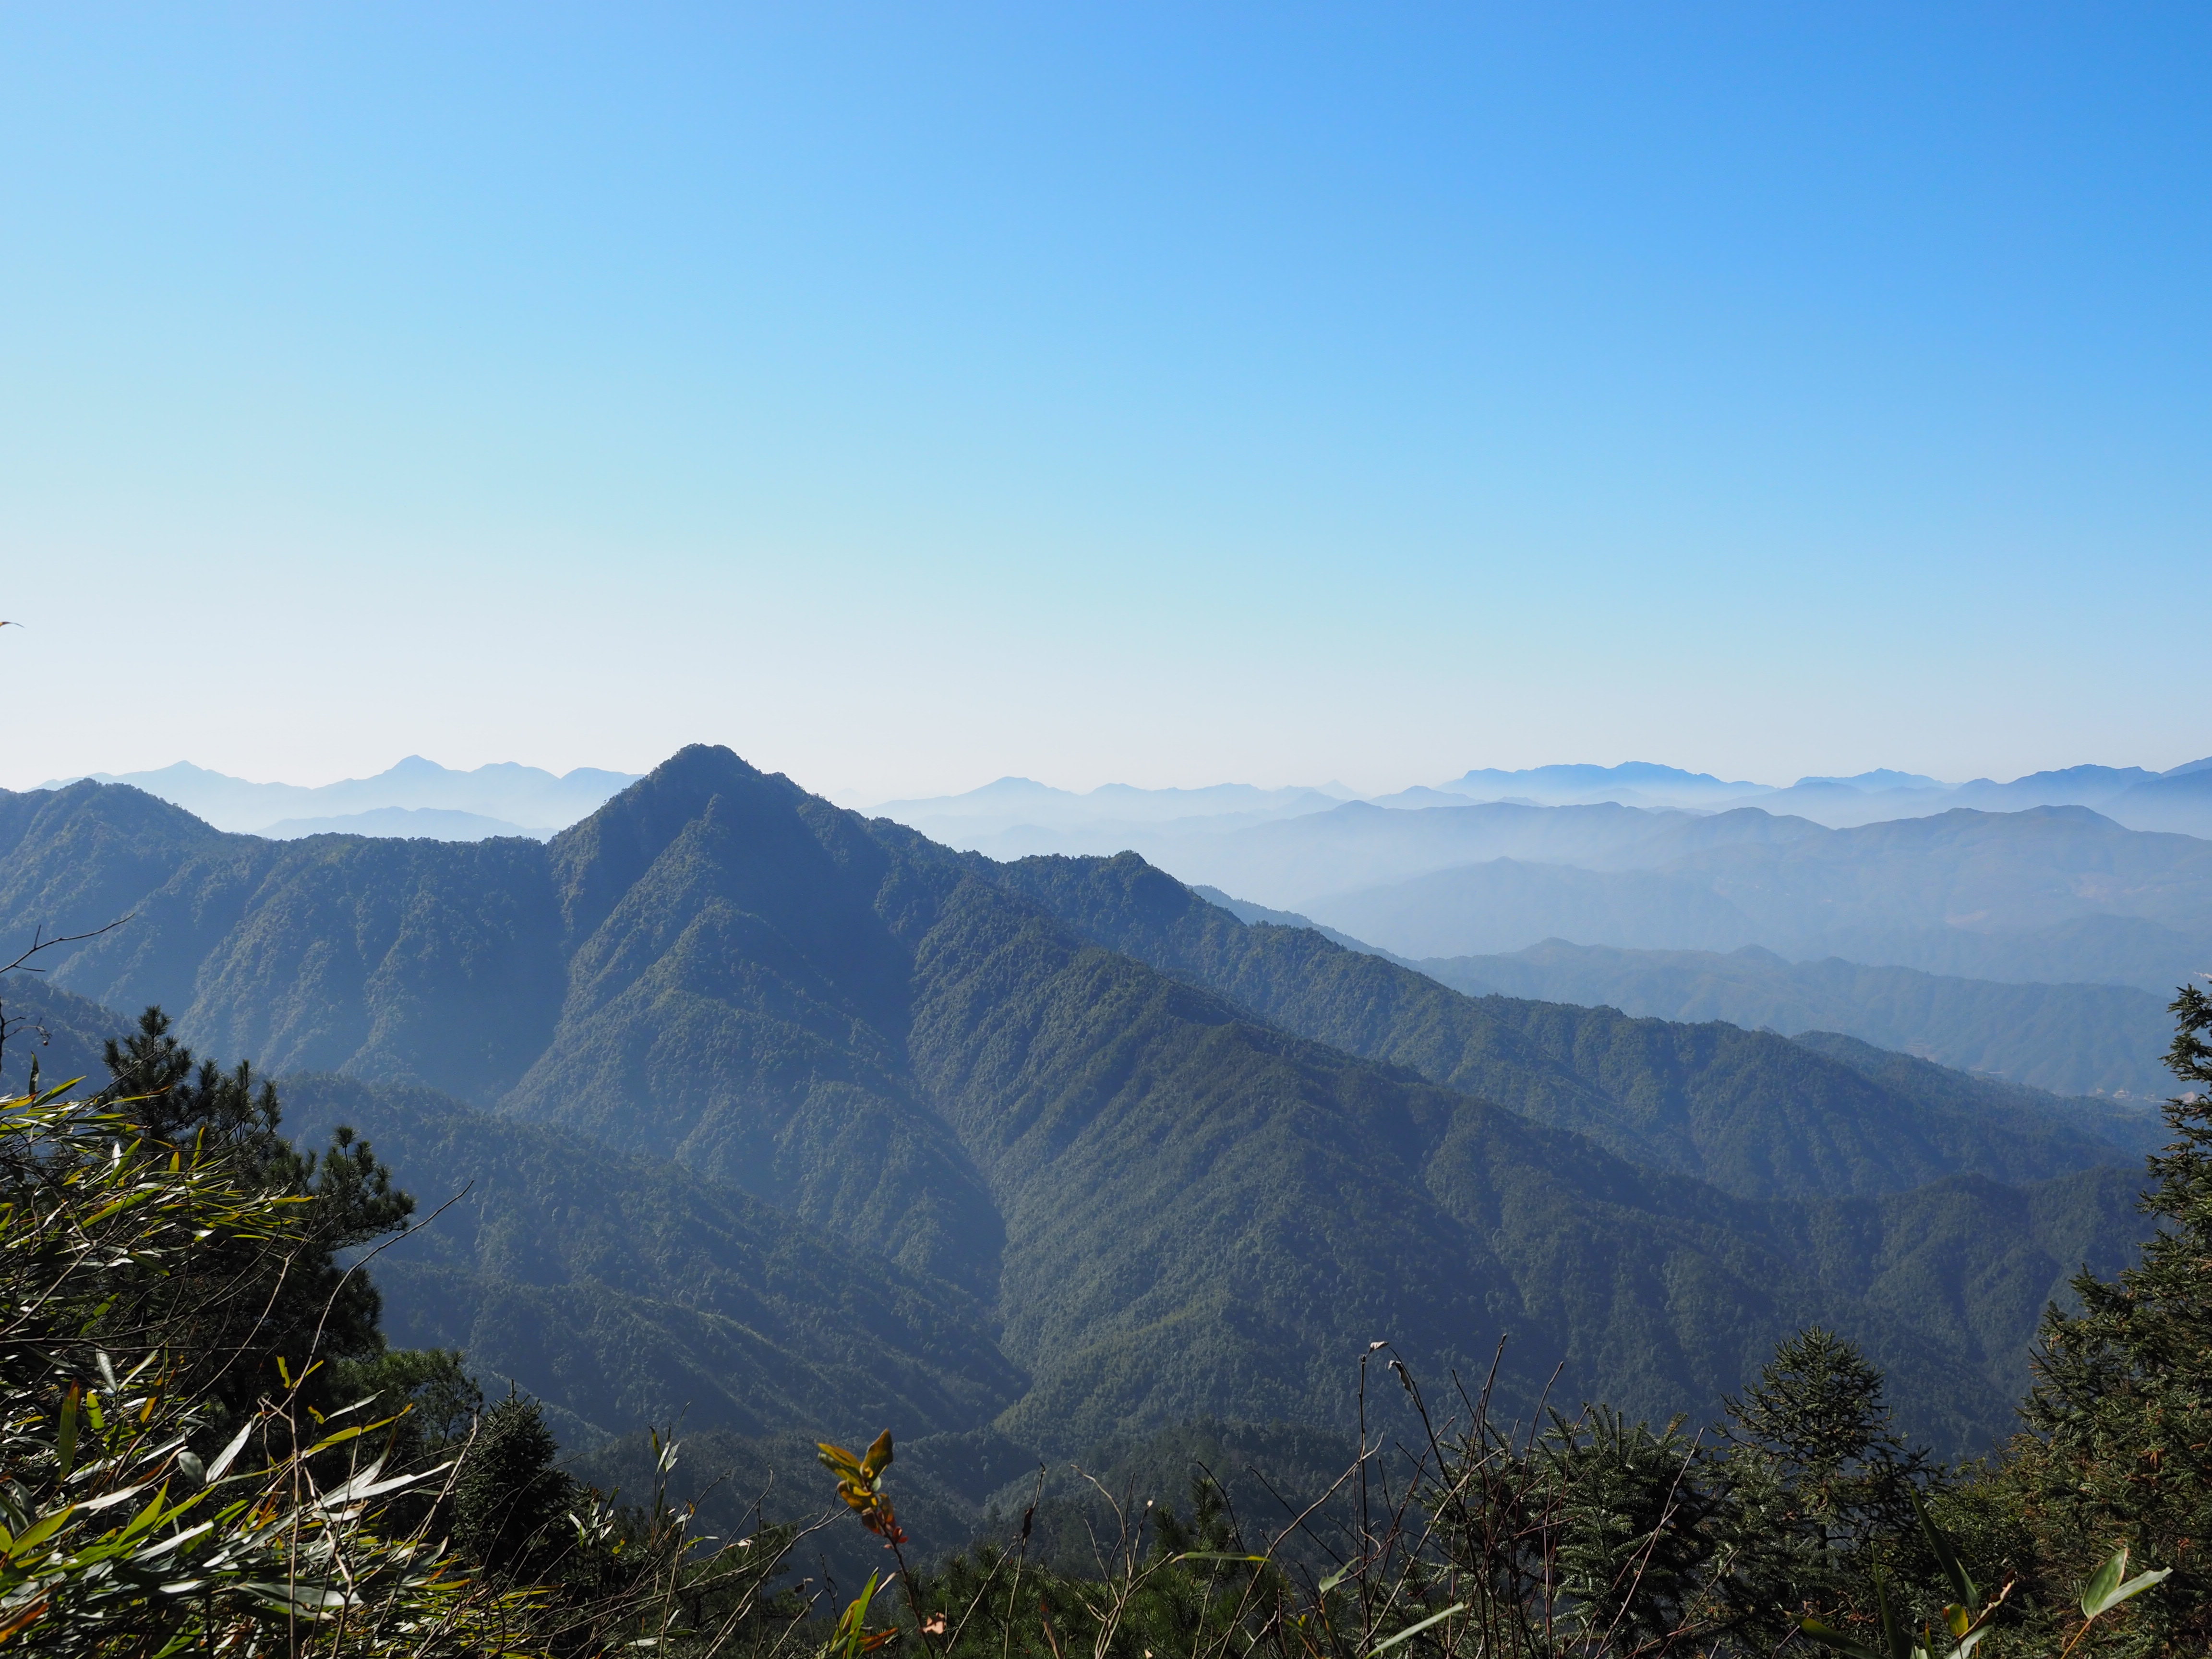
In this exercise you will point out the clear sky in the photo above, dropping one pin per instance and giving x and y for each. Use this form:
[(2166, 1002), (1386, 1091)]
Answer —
[(905, 395)]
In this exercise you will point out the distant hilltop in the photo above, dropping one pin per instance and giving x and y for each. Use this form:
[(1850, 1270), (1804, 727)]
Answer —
[(415, 798)]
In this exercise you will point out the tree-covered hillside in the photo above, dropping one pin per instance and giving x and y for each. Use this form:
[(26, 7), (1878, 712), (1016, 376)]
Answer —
[(2069, 1039), (1750, 1111), (626, 1290), (1165, 1194)]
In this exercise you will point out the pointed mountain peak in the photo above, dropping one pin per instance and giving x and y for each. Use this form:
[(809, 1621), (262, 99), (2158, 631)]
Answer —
[(596, 861)]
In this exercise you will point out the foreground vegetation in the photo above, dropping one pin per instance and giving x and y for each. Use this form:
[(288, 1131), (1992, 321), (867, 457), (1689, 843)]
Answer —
[(207, 1448)]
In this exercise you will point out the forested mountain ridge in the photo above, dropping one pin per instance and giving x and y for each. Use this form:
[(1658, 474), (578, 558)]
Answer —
[(420, 962), (2068, 1038), (1750, 1111), (1169, 1206)]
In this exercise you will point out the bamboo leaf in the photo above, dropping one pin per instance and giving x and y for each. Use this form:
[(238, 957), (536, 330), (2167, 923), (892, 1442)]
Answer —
[(2103, 1582), (40, 1532), (1970, 1596), (2105, 1589), (1828, 1636), (229, 1455), (1415, 1629), (1894, 1640), (65, 1437)]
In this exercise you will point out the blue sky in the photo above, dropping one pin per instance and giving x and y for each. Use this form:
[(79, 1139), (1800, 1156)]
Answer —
[(911, 395)]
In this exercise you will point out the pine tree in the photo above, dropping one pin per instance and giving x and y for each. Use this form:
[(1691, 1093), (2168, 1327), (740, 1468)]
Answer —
[(253, 1317), (1820, 1483), (2118, 1449), (1818, 1417), (509, 1502)]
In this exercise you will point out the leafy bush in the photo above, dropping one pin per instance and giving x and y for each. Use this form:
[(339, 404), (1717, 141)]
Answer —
[(150, 1504)]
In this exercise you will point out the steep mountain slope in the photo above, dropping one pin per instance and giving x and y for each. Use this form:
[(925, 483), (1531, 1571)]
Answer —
[(1166, 1205), (625, 1290), (622, 1290), (1747, 1110), (735, 1000), (2070, 1039)]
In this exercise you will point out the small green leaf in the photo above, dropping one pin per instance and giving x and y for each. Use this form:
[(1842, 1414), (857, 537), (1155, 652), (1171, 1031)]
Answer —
[(147, 1517), (331, 1440), (880, 1455), (217, 1469), (2136, 1585)]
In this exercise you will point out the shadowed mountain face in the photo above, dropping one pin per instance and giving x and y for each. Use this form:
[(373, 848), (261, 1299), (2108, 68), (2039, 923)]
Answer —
[(1175, 1165)]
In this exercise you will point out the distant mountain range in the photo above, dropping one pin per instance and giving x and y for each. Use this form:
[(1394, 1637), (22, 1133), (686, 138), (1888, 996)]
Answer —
[(1021, 806), (2179, 800), (2054, 894), (1015, 817), (415, 798), (2049, 894), (812, 1125)]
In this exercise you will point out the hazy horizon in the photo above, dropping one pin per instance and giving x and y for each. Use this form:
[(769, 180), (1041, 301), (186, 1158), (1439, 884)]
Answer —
[(863, 799)]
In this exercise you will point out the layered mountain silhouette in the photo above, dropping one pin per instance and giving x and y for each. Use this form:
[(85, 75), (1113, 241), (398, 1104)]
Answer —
[(416, 797), (2054, 894), (794, 1117)]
